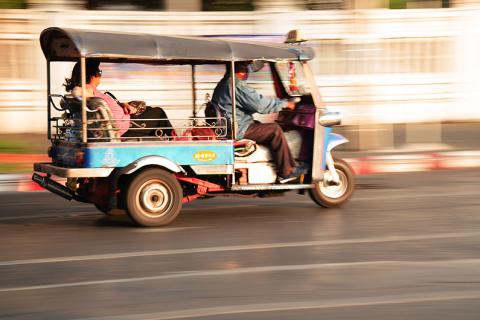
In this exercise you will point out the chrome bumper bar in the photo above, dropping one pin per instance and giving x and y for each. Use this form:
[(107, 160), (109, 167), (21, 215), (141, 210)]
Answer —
[(72, 172)]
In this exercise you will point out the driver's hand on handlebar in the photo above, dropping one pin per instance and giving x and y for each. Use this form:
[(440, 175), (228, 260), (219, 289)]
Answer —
[(290, 105)]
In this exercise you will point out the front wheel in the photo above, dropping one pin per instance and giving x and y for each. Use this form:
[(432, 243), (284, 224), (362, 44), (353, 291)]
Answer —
[(330, 195), (154, 198)]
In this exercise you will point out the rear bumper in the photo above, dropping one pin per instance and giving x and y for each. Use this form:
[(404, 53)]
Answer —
[(71, 172)]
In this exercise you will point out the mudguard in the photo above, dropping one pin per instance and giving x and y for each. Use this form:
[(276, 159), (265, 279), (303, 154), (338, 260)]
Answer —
[(335, 140), (152, 160)]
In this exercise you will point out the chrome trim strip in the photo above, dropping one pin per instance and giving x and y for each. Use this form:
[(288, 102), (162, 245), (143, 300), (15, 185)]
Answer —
[(152, 160)]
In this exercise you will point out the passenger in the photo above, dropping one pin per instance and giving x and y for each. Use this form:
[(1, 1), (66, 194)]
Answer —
[(249, 102), (123, 113)]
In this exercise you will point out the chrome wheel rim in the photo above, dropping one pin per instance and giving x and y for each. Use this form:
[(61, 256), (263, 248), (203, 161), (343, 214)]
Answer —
[(154, 198), (333, 191)]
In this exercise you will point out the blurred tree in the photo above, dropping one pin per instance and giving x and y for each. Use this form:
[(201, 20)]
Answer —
[(13, 4), (126, 4), (404, 4), (227, 5), (326, 4)]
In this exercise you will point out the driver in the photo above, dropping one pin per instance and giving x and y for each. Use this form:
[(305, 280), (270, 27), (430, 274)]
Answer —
[(249, 102)]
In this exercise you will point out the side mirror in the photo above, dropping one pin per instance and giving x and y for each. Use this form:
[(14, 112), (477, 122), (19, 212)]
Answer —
[(330, 119)]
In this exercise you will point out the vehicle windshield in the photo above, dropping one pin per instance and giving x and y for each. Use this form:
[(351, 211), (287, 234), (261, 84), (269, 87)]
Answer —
[(293, 78)]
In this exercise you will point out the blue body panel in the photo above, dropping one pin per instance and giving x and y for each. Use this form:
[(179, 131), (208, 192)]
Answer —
[(102, 155), (64, 154), (327, 136), (331, 140)]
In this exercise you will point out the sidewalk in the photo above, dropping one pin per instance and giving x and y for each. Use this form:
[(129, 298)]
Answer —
[(412, 159)]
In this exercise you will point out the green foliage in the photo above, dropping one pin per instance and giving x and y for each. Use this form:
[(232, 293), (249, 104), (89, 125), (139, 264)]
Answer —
[(24, 143), (398, 4), (15, 168), (403, 4), (13, 4), (15, 146)]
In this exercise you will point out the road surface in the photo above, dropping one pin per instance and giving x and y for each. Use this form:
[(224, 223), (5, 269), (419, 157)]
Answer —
[(405, 247)]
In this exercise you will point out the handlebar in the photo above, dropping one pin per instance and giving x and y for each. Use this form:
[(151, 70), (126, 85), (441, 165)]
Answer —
[(295, 100)]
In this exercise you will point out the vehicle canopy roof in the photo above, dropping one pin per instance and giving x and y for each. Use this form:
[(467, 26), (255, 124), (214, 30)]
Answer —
[(62, 44)]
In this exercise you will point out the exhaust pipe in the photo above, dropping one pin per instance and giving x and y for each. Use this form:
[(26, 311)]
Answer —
[(53, 186)]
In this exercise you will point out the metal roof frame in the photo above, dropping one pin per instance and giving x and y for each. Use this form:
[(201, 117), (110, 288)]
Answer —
[(63, 44)]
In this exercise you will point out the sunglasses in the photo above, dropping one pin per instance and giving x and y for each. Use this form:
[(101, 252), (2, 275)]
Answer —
[(99, 72)]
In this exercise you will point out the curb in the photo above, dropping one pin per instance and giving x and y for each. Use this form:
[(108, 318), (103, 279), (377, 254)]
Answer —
[(20, 158), (362, 166), (415, 162)]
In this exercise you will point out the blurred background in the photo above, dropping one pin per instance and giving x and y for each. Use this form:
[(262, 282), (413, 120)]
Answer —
[(404, 73)]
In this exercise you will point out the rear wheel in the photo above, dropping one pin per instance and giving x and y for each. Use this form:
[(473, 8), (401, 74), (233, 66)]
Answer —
[(154, 198), (330, 195)]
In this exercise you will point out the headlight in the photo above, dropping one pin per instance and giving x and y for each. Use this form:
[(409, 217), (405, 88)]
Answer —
[(330, 119)]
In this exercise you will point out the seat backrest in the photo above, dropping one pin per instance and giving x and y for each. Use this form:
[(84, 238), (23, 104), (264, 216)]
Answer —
[(101, 124), (216, 118), (71, 103), (72, 118), (105, 128)]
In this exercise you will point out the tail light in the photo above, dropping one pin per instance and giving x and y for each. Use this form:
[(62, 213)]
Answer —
[(79, 158)]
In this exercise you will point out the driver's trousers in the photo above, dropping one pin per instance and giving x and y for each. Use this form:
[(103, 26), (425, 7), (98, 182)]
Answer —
[(271, 135)]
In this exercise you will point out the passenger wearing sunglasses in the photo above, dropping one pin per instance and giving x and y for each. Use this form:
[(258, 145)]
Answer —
[(124, 114)]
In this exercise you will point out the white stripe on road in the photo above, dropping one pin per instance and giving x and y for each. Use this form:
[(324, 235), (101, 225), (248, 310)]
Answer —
[(260, 246), (417, 195), (247, 270), (300, 305)]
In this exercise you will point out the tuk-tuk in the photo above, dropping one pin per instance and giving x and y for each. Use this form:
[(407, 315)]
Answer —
[(150, 177)]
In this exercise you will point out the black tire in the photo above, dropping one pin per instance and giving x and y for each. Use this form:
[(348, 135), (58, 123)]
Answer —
[(111, 212), (330, 196), (154, 198)]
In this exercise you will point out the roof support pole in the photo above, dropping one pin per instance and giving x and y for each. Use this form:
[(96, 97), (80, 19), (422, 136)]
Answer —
[(234, 111), (319, 131), (234, 100), (49, 111), (83, 68), (194, 92)]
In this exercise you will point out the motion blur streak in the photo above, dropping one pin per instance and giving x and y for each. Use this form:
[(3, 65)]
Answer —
[(243, 247), (208, 273), (399, 77)]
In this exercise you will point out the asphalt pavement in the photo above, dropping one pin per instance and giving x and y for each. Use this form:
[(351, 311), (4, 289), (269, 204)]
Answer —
[(405, 247)]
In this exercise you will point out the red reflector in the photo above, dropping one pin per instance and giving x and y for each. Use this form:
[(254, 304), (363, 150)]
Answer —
[(79, 158)]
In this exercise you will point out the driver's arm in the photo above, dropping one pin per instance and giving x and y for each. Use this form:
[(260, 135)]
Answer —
[(256, 102)]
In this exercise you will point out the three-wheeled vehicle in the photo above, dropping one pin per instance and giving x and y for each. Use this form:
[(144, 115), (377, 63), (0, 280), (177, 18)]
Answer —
[(150, 177)]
